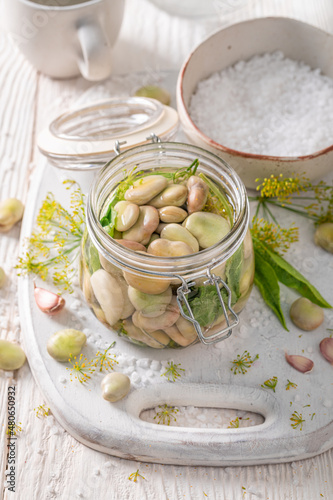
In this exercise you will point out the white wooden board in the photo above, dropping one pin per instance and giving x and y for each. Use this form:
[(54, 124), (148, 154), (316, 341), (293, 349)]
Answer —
[(208, 381)]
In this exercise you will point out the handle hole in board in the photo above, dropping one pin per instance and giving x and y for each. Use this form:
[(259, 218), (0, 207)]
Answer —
[(195, 416)]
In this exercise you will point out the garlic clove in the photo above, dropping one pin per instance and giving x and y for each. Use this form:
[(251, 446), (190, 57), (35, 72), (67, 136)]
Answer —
[(115, 386), (326, 348), (11, 211), (48, 302), (300, 363), (12, 356)]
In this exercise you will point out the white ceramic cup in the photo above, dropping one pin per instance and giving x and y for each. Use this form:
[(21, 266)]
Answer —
[(63, 38)]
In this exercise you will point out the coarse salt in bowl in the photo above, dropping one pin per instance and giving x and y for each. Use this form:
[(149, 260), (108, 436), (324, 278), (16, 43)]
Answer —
[(257, 142)]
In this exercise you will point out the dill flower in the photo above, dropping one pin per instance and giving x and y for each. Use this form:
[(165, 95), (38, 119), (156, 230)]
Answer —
[(81, 368), (166, 414), (105, 360), (172, 372), (55, 241), (281, 187), (243, 362), (297, 420), (134, 476), (275, 236), (42, 411)]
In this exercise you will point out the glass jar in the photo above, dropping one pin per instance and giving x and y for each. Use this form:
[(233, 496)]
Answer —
[(168, 301)]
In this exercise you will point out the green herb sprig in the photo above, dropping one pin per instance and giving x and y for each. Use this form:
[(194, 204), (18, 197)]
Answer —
[(173, 371), (166, 414), (296, 194), (270, 240), (54, 243), (271, 383), (243, 362)]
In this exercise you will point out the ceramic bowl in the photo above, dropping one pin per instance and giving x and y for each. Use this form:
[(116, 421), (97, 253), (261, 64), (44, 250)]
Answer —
[(298, 41)]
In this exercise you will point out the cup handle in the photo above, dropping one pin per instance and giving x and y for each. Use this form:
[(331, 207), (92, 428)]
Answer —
[(94, 61)]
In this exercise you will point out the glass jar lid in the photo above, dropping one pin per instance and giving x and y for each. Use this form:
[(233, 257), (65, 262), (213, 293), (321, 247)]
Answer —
[(85, 137)]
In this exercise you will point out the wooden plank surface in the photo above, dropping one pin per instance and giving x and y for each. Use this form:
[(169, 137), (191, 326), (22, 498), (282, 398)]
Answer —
[(50, 463)]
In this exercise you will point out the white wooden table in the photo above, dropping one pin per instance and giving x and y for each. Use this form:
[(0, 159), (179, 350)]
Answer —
[(50, 463)]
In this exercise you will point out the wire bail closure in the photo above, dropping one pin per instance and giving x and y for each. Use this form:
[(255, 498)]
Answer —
[(185, 289), (152, 137)]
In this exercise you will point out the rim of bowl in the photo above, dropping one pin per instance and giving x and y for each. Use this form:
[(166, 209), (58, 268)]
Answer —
[(47, 7), (217, 145)]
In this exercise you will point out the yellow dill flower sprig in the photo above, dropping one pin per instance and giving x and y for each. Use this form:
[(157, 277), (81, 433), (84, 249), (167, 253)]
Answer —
[(134, 476), (271, 383), (275, 236), (166, 414), (81, 368), (281, 187), (296, 194), (234, 424), (42, 411), (55, 241), (290, 385), (105, 360), (172, 371), (297, 420), (14, 429), (243, 362)]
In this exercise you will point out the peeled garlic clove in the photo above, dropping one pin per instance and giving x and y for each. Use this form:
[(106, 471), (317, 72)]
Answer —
[(115, 386), (174, 195), (175, 232), (12, 356), (326, 348), (207, 228), (176, 336), (166, 248), (154, 92), (137, 334), (2, 277), (146, 188), (144, 227), (300, 363), (160, 227), (48, 302), (197, 194), (127, 215), (143, 283), (306, 315), (161, 337), (109, 295), (149, 305), (11, 211), (165, 320), (110, 267), (172, 214), (186, 328), (324, 236), (128, 307), (64, 343)]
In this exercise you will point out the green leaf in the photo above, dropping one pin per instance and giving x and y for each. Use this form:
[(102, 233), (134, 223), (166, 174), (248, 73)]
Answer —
[(94, 263), (267, 282), (183, 174), (288, 275), (205, 305), (109, 221), (233, 272)]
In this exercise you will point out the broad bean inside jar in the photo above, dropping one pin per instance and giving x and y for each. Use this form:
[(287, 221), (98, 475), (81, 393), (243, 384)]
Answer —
[(166, 213)]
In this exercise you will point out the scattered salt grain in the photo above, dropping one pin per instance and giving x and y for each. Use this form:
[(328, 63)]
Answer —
[(268, 105)]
